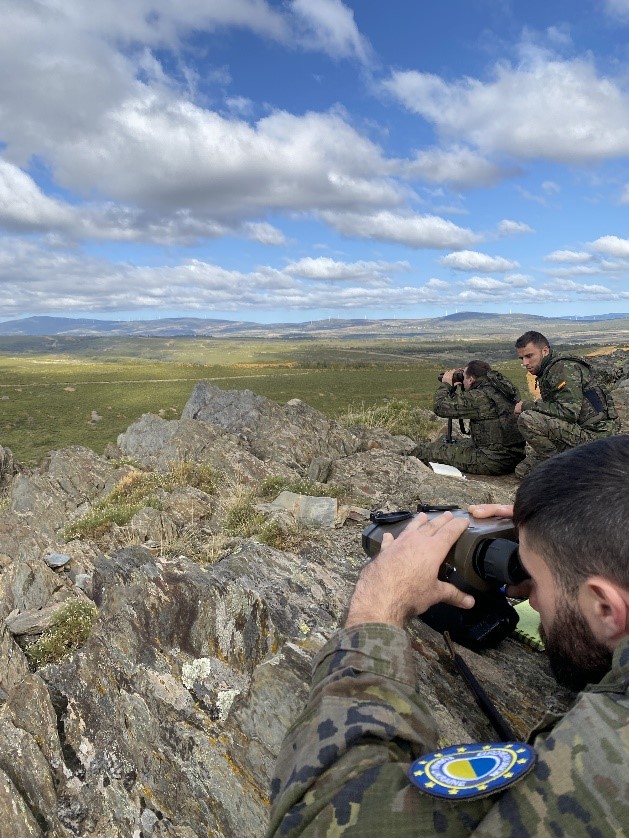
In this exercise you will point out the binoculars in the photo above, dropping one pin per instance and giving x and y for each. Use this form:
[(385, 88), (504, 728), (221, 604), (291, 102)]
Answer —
[(483, 560), (457, 376)]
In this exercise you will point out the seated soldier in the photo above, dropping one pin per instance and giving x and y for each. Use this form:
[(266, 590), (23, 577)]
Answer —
[(487, 399), (572, 408)]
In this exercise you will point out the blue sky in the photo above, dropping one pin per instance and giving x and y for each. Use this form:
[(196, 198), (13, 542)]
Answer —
[(305, 159)]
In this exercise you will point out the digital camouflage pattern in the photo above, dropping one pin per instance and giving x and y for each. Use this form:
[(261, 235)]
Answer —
[(564, 416), (342, 767), (495, 445)]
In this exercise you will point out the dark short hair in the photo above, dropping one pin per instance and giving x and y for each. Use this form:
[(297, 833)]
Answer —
[(477, 368), (574, 510), (536, 338)]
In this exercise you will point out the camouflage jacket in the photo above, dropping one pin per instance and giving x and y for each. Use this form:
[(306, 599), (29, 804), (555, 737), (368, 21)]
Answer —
[(489, 405), (342, 767), (568, 391)]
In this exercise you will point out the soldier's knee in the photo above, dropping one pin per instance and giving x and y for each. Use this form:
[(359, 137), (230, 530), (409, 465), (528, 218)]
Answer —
[(538, 432), (528, 420), (532, 425)]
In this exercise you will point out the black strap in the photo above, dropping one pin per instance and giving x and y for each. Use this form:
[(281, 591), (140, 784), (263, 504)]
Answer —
[(482, 699), (449, 437)]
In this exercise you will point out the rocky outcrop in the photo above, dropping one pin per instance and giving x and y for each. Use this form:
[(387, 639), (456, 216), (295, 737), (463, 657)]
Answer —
[(611, 368), (292, 434), (620, 394), (393, 481), (157, 443), (65, 486), (7, 466), (168, 718)]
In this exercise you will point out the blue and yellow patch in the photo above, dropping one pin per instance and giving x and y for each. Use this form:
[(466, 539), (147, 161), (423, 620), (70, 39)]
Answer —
[(463, 772)]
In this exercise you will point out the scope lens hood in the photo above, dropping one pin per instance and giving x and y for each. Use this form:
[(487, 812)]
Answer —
[(496, 560)]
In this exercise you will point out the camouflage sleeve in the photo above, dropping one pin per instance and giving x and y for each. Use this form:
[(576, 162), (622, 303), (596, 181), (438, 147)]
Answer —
[(342, 766), (580, 784), (562, 394), (458, 403)]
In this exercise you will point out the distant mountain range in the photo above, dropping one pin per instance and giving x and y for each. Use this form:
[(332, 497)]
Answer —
[(466, 322)]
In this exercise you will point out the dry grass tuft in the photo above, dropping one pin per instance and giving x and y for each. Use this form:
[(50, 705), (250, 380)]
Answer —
[(138, 490)]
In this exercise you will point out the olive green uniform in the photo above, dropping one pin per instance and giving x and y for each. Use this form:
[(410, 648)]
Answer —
[(572, 409), (495, 445), (342, 767)]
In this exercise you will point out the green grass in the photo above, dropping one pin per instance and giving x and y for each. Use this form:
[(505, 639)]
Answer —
[(86, 391), (98, 520), (70, 627)]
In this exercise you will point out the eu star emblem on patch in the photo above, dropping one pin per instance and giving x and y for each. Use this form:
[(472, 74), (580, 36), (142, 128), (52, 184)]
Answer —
[(464, 772)]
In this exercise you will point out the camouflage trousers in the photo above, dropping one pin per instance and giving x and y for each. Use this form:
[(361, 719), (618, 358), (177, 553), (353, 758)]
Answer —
[(468, 457), (548, 435)]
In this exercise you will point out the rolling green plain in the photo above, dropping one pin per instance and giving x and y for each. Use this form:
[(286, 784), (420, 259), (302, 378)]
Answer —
[(61, 391)]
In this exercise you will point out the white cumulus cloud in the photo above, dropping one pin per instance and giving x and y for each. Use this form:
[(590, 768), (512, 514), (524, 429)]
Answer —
[(329, 25), (618, 9), (612, 246), (263, 233), (421, 231), (506, 227), (471, 260), (571, 256), (483, 283), (458, 166), (510, 112), (324, 268), (518, 280), (23, 206), (85, 91)]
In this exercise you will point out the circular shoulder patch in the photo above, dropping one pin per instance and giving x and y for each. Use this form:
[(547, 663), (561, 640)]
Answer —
[(462, 772)]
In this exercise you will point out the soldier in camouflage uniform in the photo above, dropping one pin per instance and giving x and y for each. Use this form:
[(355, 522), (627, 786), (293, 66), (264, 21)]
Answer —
[(342, 769), (572, 407), (487, 399)]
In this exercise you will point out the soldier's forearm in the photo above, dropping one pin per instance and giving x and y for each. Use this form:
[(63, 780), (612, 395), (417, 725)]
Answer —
[(363, 712), (459, 406), (567, 411), (442, 403)]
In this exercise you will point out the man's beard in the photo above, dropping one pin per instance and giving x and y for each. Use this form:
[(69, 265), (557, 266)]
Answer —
[(575, 656)]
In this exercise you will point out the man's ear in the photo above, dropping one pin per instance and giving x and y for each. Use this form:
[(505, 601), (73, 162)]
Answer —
[(545, 351), (605, 605)]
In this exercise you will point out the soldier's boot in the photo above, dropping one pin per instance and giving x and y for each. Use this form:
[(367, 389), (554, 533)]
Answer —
[(542, 435), (527, 465), (533, 457), (422, 451)]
